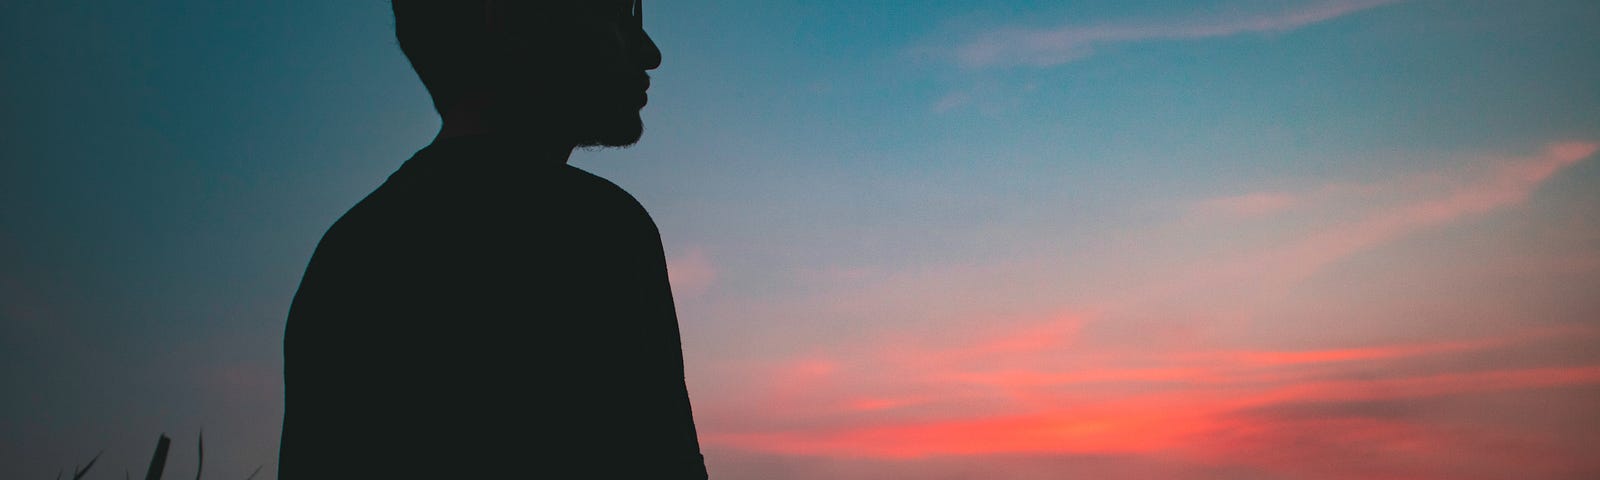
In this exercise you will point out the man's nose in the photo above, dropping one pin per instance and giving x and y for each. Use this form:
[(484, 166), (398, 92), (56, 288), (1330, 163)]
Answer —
[(646, 53)]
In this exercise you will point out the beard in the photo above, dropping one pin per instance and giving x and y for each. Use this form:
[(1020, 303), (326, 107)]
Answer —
[(606, 126), (581, 121), (592, 111)]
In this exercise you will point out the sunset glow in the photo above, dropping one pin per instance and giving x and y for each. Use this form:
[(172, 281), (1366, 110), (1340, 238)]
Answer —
[(1060, 384)]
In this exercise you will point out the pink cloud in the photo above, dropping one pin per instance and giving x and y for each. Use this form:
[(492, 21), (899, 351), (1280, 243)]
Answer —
[(1042, 48), (1247, 205), (1207, 395), (1353, 354), (1008, 340), (971, 384), (691, 273)]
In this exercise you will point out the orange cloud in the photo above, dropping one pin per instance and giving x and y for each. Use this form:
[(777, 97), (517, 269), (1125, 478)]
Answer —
[(1053, 385), (1159, 409)]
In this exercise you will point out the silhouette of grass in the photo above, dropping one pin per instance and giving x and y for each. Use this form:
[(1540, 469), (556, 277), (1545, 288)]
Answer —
[(78, 473), (158, 461)]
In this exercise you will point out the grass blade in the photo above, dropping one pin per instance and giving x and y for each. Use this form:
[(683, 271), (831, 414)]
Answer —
[(202, 466), (77, 475), (158, 462)]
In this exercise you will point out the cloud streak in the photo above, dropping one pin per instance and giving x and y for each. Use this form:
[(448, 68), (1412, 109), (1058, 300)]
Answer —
[(1374, 215), (1509, 184), (1144, 410), (1067, 401), (1072, 384), (1050, 47)]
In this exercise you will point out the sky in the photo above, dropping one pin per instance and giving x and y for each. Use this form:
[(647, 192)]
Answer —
[(1207, 239)]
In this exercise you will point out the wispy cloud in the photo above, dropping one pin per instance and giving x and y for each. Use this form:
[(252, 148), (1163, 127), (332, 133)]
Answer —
[(1369, 217), (1048, 47), (1070, 385), (1509, 183), (1084, 400), (1247, 205)]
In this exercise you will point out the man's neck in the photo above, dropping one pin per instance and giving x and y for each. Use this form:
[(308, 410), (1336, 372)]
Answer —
[(466, 121)]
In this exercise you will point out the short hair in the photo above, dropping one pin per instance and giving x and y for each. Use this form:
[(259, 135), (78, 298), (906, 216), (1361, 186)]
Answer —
[(444, 40)]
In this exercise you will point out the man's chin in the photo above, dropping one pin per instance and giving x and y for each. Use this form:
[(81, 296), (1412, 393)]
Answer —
[(619, 132)]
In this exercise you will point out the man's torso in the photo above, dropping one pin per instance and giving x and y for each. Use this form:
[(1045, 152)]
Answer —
[(481, 314)]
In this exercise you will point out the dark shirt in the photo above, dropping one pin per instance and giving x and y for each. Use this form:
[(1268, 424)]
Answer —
[(481, 314)]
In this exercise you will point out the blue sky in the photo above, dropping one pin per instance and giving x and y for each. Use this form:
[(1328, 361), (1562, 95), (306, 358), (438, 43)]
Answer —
[(935, 212)]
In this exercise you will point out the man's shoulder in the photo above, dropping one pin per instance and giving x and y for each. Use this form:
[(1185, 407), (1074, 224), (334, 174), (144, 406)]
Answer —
[(597, 188), (381, 209)]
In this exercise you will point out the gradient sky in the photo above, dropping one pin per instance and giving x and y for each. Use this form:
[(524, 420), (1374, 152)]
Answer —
[(1131, 239)]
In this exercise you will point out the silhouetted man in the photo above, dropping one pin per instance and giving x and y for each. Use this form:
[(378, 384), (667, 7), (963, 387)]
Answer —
[(490, 311)]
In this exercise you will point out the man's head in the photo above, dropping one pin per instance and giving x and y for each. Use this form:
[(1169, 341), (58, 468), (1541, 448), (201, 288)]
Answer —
[(572, 68)]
